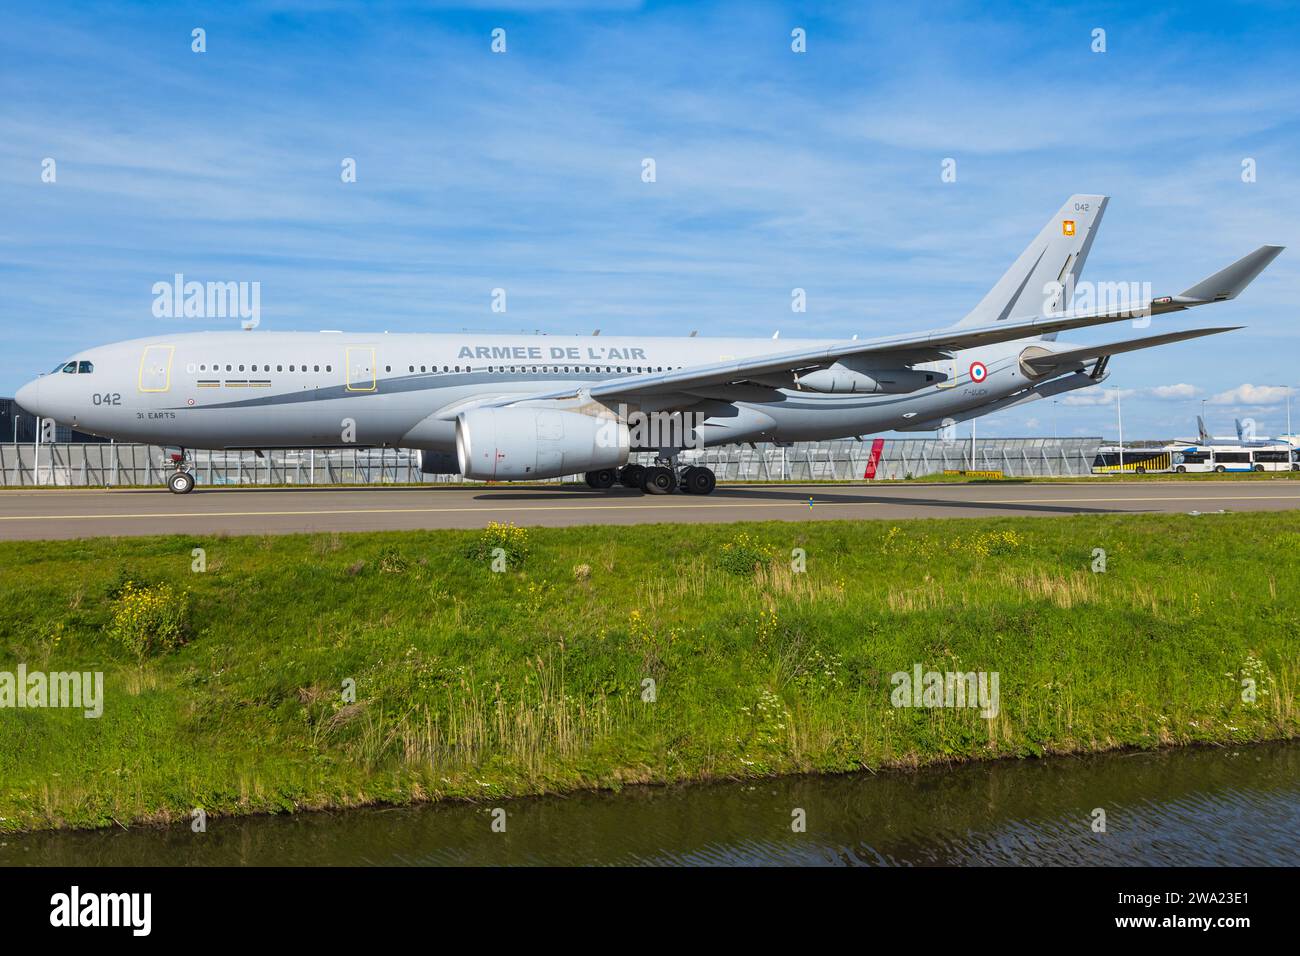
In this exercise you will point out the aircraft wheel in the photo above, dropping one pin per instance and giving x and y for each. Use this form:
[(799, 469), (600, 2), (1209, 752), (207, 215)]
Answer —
[(602, 479), (630, 476), (658, 481), (698, 481), (180, 483)]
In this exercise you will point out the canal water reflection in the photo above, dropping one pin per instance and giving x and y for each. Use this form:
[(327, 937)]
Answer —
[(1180, 807)]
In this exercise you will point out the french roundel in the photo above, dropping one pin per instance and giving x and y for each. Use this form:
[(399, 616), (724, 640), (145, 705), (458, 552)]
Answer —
[(978, 372)]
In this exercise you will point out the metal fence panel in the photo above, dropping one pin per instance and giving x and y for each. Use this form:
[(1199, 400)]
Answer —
[(105, 465)]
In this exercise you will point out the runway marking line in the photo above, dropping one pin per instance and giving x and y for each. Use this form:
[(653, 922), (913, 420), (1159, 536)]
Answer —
[(638, 504)]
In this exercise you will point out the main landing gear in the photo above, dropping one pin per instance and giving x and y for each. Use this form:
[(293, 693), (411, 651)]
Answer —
[(180, 481), (661, 478)]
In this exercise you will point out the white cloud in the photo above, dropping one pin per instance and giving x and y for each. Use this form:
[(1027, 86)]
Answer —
[(1251, 395), (1179, 391), (1096, 395)]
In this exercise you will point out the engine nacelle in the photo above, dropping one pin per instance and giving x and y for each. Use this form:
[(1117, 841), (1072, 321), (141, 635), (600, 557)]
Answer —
[(514, 444), (888, 381), (437, 462)]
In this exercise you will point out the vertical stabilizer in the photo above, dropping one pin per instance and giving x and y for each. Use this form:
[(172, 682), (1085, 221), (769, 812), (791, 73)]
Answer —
[(1041, 280)]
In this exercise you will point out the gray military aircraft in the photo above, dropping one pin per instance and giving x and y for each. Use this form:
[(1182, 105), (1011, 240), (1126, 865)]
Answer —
[(511, 408)]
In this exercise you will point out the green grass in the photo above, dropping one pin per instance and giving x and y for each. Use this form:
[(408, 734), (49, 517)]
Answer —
[(477, 684)]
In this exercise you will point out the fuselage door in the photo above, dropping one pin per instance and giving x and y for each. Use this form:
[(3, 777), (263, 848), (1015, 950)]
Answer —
[(156, 368), (361, 368)]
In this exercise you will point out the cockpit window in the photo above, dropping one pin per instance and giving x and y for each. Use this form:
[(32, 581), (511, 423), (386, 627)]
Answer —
[(70, 368), (85, 368)]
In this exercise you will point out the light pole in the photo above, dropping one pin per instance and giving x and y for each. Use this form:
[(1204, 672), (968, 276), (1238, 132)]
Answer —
[(1055, 437), (1119, 415)]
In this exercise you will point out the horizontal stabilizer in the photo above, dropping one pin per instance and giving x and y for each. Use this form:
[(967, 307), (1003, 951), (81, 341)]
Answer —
[(1042, 364)]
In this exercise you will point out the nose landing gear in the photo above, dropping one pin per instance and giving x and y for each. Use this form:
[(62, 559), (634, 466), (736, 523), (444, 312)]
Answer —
[(180, 481)]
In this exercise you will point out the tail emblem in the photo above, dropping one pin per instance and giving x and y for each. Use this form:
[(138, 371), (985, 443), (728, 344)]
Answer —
[(1067, 227)]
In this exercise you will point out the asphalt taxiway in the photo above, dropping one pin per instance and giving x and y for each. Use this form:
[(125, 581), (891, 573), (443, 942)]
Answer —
[(77, 513)]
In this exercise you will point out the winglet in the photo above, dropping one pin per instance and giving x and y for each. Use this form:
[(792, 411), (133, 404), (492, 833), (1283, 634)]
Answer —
[(1228, 283)]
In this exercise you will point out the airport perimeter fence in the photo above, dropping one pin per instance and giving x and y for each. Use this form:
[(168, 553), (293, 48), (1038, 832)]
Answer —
[(110, 465)]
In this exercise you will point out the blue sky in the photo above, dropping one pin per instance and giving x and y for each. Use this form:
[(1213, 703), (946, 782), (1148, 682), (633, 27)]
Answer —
[(775, 170)]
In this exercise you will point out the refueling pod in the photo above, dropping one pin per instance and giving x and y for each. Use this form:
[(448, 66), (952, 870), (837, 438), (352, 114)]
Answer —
[(510, 444), (842, 377)]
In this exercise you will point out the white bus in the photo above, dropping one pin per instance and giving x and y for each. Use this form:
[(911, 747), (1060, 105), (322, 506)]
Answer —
[(1223, 458), (1192, 459)]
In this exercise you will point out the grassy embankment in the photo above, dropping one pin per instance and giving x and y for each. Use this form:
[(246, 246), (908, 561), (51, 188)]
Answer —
[(477, 684)]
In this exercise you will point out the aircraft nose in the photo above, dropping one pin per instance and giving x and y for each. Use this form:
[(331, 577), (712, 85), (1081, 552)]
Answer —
[(29, 397)]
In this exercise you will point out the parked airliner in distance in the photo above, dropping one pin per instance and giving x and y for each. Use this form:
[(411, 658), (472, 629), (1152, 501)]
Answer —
[(511, 408), (1245, 437)]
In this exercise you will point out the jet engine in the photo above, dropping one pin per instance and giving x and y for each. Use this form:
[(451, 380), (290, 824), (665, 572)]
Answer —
[(437, 462), (889, 381), (513, 444)]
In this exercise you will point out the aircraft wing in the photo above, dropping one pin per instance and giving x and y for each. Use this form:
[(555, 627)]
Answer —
[(913, 347), (1048, 362)]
